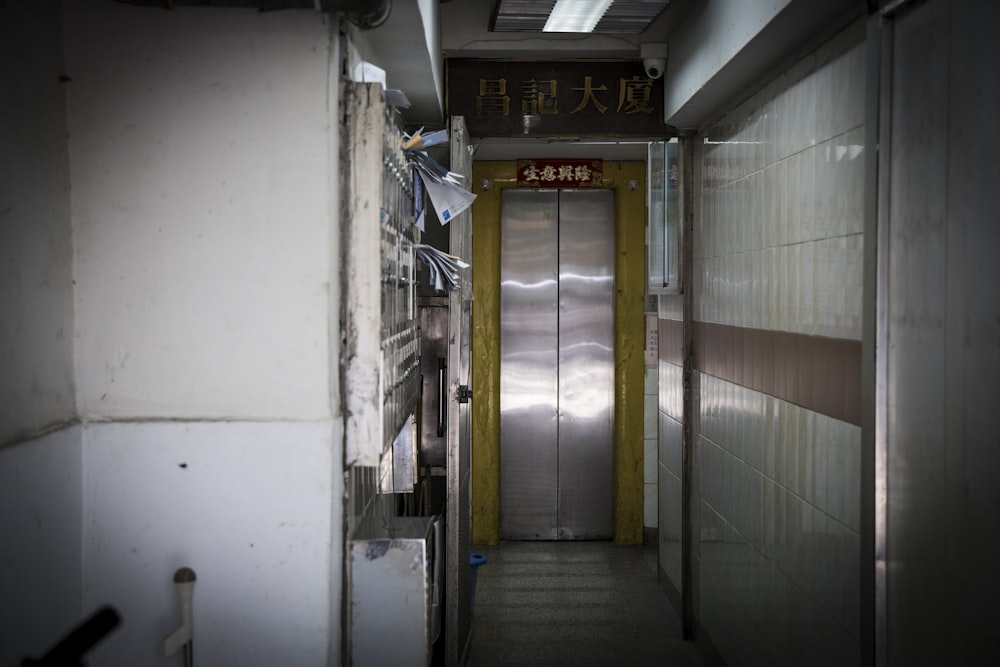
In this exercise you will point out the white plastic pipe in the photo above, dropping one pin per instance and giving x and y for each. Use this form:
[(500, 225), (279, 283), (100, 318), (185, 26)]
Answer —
[(182, 637)]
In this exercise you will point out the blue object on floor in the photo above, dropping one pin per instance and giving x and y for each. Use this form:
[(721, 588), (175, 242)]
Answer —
[(475, 560)]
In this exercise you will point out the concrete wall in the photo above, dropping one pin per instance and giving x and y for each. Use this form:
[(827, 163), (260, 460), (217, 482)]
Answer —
[(201, 212), (713, 36), (247, 505), (36, 254), (201, 178), (40, 479), (204, 318), (41, 549), (430, 19)]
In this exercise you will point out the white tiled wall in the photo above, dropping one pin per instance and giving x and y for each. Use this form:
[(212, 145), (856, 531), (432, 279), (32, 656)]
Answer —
[(780, 492), (778, 242), (670, 405), (778, 246), (669, 470), (650, 429)]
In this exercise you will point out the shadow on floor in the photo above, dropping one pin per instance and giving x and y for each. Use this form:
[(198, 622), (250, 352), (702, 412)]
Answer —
[(573, 603)]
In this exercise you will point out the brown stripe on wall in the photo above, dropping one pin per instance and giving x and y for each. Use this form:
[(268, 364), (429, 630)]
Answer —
[(818, 373), (671, 341)]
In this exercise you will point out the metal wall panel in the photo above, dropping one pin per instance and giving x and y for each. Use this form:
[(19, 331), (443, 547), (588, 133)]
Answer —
[(917, 332), (458, 621), (557, 364), (529, 347), (586, 363), (939, 367), (391, 561)]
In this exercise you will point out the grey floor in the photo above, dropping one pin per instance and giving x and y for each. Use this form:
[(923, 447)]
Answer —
[(573, 603)]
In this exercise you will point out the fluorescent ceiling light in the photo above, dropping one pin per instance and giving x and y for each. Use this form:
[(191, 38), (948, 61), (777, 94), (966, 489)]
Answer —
[(576, 15)]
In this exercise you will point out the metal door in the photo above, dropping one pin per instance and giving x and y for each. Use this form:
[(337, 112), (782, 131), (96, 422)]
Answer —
[(556, 364)]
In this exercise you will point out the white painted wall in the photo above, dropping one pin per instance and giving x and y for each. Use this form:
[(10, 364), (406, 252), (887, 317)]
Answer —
[(36, 292), (713, 35), (206, 264), (200, 237), (40, 544), (408, 47), (201, 212), (430, 19), (246, 505), (722, 47), (40, 482)]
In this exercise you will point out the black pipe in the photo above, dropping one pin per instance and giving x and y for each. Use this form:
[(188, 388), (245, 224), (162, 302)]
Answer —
[(70, 650)]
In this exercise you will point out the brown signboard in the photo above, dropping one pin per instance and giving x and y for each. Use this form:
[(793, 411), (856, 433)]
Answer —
[(556, 98)]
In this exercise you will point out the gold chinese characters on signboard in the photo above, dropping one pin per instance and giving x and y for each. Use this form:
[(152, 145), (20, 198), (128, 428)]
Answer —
[(540, 97), (556, 98), (560, 173)]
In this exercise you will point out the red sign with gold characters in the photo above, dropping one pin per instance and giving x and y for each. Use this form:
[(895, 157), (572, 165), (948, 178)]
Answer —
[(566, 173)]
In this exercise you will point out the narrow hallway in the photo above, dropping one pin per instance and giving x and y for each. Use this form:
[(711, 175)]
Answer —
[(283, 282), (573, 603)]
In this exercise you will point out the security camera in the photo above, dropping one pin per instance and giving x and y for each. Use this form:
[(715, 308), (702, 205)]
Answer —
[(654, 59), (654, 67)]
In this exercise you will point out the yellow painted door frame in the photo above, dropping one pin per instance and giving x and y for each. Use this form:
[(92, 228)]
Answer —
[(628, 180)]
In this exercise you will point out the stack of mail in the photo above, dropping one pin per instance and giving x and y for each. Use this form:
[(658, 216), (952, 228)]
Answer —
[(443, 267), (419, 141), (444, 187)]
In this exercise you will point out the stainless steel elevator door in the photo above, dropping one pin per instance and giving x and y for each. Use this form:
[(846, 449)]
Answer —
[(556, 364)]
